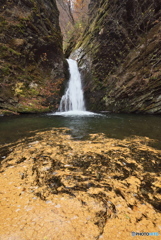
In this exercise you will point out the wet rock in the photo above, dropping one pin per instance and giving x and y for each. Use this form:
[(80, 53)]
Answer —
[(119, 56)]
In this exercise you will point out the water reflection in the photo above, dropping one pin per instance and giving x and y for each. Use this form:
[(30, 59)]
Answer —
[(113, 125)]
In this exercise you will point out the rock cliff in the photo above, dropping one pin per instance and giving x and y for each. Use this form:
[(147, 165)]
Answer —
[(31, 56), (120, 56)]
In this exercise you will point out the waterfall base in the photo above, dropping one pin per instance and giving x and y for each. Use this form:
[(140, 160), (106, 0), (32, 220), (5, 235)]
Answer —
[(72, 102), (75, 113)]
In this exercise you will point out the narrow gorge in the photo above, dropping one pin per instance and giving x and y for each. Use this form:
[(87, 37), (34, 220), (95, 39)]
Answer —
[(117, 48), (80, 119)]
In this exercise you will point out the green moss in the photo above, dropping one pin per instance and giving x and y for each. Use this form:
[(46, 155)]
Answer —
[(5, 70), (3, 24), (3, 47), (5, 112), (31, 108), (14, 52), (34, 92), (7, 51)]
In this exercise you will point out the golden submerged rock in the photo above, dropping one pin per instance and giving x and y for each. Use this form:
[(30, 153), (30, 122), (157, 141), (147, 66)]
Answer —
[(53, 187)]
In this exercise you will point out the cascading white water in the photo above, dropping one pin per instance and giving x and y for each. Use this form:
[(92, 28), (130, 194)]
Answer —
[(73, 99)]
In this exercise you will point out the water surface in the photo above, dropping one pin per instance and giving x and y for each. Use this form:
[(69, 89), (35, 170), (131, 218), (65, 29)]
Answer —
[(113, 125)]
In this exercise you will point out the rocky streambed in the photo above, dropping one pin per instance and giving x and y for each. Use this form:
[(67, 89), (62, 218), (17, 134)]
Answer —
[(55, 188)]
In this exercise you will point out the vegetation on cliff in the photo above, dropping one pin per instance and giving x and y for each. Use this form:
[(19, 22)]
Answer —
[(119, 54), (73, 19), (31, 56)]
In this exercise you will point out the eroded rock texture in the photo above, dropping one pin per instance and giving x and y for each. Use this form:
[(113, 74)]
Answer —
[(119, 54), (31, 58), (53, 187)]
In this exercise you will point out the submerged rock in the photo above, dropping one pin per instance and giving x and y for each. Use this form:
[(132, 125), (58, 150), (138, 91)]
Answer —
[(59, 188)]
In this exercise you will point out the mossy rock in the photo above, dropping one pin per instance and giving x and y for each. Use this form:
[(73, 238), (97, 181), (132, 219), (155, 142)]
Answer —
[(30, 49)]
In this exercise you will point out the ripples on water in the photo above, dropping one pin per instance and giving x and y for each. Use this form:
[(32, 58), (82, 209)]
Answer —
[(113, 125)]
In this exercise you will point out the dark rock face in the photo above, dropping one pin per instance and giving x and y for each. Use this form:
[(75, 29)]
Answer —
[(31, 56), (119, 55)]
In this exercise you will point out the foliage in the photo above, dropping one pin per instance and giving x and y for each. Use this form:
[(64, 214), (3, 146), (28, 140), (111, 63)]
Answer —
[(73, 17)]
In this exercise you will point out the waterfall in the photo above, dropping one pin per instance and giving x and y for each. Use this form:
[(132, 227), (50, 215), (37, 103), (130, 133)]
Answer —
[(73, 99)]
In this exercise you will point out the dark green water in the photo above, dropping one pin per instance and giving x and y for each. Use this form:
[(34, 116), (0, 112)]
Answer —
[(113, 125)]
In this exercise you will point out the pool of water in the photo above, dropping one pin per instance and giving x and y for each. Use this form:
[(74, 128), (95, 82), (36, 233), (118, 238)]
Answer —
[(113, 125)]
